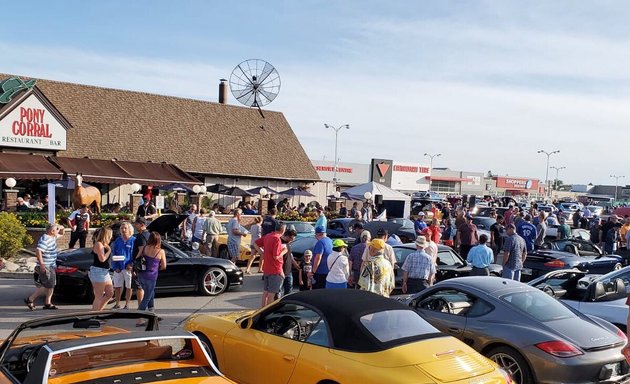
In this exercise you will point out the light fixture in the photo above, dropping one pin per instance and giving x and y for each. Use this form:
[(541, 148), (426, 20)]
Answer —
[(135, 187), (196, 188), (367, 195), (203, 189), (263, 192), (10, 182)]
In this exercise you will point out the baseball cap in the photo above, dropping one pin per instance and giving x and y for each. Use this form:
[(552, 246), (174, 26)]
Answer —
[(421, 213), (468, 216), (339, 243), (308, 252), (366, 235), (320, 229), (377, 244), (141, 220)]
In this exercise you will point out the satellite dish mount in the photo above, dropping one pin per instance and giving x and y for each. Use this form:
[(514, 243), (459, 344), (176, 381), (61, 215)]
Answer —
[(255, 83)]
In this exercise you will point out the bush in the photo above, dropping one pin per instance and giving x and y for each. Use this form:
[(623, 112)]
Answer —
[(13, 235)]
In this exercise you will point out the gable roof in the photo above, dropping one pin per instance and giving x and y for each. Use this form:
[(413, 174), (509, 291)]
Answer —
[(197, 136)]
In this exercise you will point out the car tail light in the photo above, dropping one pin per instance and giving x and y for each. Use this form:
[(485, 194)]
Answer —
[(621, 334), (559, 349), (64, 269), (555, 264)]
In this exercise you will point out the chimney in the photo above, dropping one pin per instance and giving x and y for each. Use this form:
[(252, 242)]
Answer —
[(223, 92)]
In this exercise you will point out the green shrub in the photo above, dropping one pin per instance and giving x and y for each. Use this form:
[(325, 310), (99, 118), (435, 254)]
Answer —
[(13, 235)]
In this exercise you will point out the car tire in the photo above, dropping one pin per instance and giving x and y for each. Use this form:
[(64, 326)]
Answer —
[(207, 345), (213, 282), (223, 252), (513, 362)]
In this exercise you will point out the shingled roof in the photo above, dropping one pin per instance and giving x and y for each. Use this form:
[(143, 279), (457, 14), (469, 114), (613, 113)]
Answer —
[(197, 136)]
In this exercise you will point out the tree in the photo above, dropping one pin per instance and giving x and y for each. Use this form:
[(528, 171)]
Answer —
[(13, 235)]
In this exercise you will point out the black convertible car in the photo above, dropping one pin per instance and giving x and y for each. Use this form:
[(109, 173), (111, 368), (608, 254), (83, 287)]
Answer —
[(186, 270)]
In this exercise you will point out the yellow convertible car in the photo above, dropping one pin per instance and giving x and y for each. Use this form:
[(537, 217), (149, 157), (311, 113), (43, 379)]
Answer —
[(103, 348), (245, 251), (341, 336)]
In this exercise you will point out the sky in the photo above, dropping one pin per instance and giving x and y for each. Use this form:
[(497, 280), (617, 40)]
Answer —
[(484, 83)]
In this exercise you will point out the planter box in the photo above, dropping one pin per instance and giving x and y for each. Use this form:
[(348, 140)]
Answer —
[(62, 243)]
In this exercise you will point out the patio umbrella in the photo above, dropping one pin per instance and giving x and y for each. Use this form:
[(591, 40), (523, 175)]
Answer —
[(235, 191), (176, 187), (217, 188), (256, 191), (295, 192)]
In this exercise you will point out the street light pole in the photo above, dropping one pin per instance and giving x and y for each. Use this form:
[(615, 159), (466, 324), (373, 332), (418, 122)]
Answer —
[(616, 184), (547, 169), (431, 166), (558, 169), (337, 129)]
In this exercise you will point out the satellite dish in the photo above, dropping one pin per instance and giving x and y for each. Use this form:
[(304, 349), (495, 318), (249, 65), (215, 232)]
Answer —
[(255, 83)]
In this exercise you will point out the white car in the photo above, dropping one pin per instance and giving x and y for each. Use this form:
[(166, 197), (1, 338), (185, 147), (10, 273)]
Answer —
[(603, 296)]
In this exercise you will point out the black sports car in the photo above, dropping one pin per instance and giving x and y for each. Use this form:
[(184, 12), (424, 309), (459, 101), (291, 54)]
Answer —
[(186, 270), (449, 263)]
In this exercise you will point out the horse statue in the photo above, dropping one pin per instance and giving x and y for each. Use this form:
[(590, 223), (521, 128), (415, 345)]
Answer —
[(89, 196)]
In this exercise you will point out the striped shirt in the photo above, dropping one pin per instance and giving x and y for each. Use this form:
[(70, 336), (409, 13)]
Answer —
[(48, 246), (419, 265)]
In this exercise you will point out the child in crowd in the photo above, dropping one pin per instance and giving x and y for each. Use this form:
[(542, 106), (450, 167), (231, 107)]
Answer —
[(306, 267)]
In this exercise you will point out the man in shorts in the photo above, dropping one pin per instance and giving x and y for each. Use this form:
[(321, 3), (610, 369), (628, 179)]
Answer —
[(272, 249), (45, 277), (122, 263)]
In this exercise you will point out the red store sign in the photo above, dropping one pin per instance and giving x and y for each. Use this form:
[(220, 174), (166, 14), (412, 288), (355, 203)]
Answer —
[(517, 183)]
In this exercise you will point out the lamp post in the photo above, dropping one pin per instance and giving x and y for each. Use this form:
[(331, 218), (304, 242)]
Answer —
[(431, 166), (558, 169), (616, 184), (547, 169), (337, 129)]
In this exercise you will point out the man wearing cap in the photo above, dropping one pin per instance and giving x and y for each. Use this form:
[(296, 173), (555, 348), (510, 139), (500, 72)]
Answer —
[(467, 236), (338, 266), (528, 232), (419, 224), (480, 257), (321, 251), (514, 254), (272, 249), (356, 255), (418, 268), (388, 250), (377, 275)]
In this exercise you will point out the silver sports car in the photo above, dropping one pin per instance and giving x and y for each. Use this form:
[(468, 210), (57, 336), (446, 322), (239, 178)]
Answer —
[(527, 332)]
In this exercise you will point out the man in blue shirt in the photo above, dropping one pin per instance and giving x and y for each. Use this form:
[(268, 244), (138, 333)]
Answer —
[(528, 232), (321, 250), (322, 221), (122, 263), (419, 224), (480, 257)]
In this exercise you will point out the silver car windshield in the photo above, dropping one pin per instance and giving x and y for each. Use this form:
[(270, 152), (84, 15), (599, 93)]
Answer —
[(396, 324), (539, 305)]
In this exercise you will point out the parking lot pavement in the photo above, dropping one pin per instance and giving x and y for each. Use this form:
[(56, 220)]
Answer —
[(173, 308)]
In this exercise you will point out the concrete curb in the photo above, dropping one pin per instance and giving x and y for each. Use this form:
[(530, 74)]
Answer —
[(16, 275)]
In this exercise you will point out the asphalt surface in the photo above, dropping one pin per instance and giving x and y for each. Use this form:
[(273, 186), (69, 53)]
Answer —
[(173, 308)]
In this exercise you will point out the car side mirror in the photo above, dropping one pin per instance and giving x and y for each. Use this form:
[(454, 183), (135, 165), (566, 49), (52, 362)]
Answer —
[(246, 323)]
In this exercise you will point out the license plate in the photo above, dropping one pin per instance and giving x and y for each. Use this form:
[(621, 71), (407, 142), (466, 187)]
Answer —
[(526, 271)]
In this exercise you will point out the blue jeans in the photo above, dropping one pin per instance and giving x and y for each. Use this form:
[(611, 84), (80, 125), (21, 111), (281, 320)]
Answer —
[(512, 274), (287, 284), (149, 293)]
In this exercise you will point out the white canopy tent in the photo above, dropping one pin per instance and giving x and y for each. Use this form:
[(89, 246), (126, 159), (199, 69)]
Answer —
[(376, 189)]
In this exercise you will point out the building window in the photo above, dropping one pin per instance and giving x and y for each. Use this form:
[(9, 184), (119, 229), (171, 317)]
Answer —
[(443, 186)]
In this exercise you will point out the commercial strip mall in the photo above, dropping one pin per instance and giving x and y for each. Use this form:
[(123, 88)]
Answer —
[(52, 130)]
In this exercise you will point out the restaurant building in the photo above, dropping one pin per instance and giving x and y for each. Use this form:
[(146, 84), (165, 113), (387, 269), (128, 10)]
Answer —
[(51, 130)]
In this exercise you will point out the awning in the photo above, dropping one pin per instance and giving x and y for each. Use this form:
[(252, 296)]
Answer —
[(93, 170), (445, 178), (26, 166), (156, 173)]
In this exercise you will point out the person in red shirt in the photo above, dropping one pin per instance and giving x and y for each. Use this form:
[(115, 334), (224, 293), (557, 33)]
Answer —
[(436, 233), (272, 249)]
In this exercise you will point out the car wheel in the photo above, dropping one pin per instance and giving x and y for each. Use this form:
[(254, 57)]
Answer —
[(512, 361), (207, 345), (617, 267), (213, 282), (223, 253)]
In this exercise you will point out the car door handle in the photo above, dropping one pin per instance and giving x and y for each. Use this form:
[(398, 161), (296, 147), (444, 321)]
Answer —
[(454, 330), (288, 358)]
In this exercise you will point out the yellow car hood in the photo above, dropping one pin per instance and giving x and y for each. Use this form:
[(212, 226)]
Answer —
[(233, 316), (442, 358)]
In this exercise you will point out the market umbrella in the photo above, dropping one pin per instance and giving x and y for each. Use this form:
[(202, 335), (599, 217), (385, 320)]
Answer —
[(295, 192), (217, 188), (176, 187), (236, 191), (256, 191)]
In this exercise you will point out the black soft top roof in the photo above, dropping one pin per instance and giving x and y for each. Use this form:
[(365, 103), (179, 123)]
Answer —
[(343, 308)]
